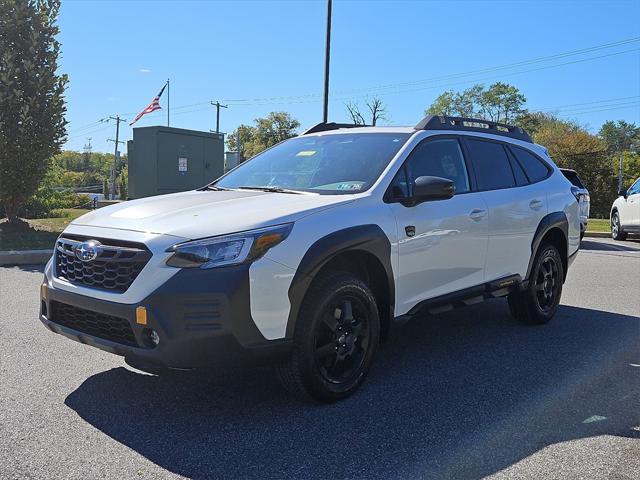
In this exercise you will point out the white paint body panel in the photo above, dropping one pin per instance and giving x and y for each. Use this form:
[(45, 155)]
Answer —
[(629, 207), (449, 252)]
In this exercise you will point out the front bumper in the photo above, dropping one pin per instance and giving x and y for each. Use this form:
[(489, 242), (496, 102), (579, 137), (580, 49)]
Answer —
[(202, 318)]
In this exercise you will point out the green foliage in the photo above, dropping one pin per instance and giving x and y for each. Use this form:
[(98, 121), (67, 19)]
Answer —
[(620, 136), (571, 146), (268, 131), (623, 140), (121, 181), (32, 124), (46, 201), (500, 102)]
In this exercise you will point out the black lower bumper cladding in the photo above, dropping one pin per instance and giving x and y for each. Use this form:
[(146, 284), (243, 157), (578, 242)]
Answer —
[(202, 318)]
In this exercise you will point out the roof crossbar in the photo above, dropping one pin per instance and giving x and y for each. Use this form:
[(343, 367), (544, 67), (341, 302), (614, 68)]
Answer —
[(442, 122), (325, 127)]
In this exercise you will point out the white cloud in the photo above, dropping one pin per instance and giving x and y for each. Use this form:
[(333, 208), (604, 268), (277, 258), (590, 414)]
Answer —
[(144, 70)]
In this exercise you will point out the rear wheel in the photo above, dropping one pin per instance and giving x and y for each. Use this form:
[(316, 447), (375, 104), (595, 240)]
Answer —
[(616, 229), (539, 302), (336, 337)]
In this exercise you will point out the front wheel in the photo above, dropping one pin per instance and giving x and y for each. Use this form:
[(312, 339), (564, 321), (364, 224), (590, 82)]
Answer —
[(336, 337), (616, 229), (539, 302)]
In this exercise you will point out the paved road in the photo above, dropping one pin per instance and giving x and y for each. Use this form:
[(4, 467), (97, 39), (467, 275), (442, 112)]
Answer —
[(463, 395)]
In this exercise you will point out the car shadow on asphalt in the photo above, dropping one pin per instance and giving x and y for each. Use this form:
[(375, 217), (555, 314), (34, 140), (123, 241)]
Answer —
[(460, 395), (627, 246)]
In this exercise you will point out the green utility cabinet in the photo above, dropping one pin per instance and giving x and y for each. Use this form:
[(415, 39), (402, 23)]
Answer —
[(167, 160)]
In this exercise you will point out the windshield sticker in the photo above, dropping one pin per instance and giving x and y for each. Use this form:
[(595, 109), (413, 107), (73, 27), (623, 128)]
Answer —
[(349, 186), (306, 153)]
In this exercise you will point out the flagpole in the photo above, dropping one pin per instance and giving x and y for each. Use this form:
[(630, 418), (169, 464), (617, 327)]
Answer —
[(168, 101)]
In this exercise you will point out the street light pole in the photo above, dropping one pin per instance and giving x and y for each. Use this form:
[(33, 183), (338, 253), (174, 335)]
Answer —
[(327, 55)]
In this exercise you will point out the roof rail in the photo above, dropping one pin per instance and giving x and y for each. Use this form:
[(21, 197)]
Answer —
[(442, 122), (325, 127)]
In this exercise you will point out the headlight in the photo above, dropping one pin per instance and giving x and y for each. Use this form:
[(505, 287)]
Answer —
[(232, 249)]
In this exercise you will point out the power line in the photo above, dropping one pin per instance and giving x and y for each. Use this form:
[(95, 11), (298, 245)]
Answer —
[(340, 95)]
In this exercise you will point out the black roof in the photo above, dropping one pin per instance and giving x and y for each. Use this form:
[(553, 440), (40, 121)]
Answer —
[(442, 122), (325, 127)]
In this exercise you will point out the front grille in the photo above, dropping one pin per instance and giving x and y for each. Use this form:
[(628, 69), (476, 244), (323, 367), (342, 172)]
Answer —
[(114, 269), (99, 325)]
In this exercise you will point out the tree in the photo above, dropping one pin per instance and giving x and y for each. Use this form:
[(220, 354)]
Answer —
[(623, 141), (377, 111), (572, 146), (32, 109), (244, 133), (500, 102), (272, 129), (620, 136)]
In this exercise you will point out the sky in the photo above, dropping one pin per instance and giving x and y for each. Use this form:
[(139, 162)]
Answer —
[(579, 59)]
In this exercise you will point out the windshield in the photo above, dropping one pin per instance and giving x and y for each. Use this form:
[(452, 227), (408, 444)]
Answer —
[(330, 164)]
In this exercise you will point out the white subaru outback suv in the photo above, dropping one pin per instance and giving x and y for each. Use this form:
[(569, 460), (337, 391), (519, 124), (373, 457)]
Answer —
[(308, 254)]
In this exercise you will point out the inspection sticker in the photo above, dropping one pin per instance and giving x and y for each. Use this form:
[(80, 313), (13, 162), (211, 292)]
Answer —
[(306, 153)]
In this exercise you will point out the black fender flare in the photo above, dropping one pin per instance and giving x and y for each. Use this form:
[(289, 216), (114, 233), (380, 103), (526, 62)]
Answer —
[(550, 221), (367, 238)]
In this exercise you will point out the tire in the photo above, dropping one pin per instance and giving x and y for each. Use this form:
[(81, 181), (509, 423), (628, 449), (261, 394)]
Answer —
[(336, 338), (616, 229), (539, 302)]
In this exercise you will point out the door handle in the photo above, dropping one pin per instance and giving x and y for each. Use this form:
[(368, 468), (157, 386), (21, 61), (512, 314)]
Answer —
[(535, 204), (477, 214)]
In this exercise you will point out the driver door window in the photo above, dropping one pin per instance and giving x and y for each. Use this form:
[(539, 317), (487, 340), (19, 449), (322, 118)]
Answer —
[(438, 158)]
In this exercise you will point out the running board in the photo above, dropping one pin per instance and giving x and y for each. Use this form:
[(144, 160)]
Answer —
[(469, 296)]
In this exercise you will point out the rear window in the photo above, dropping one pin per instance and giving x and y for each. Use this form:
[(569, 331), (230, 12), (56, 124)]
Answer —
[(573, 178), (533, 167), (491, 165)]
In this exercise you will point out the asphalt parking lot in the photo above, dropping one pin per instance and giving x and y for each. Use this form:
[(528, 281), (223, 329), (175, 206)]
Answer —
[(466, 394)]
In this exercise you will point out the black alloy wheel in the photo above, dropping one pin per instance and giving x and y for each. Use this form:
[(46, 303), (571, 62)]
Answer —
[(547, 284), (335, 340), (343, 339)]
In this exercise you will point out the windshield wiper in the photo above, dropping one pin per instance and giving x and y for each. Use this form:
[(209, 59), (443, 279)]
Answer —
[(213, 187), (270, 189)]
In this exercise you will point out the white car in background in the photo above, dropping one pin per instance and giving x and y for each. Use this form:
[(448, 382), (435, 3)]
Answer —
[(625, 212)]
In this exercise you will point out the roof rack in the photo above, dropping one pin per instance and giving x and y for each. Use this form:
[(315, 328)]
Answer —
[(442, 122), (325, 127)]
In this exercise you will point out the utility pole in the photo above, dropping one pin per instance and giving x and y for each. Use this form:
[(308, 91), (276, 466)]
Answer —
[(218, 106), (327, 55), (112, 186), (86, 156)]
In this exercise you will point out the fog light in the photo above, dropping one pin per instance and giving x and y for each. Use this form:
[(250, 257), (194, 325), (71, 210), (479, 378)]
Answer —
[(43, 291), (154, 337)]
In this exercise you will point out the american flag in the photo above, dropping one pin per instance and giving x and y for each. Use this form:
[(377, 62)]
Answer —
[(152, 107)]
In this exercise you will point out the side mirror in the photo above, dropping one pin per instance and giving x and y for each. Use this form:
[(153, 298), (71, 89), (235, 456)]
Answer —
[(623, 193), (432, 188)]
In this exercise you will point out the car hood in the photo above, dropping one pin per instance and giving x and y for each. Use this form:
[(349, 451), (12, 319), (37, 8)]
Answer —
[(198, 214)]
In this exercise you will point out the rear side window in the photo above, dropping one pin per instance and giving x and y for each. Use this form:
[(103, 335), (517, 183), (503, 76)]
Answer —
[(533, 167), (573, 178), (491, 165)]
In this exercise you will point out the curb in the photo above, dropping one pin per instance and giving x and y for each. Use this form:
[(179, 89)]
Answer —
[(597, 234), (25, 257)]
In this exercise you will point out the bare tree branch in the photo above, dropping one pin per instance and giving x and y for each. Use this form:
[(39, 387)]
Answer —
[(354, 113)]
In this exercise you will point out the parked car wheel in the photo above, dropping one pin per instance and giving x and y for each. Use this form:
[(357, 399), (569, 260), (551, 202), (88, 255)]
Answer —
[(616, 229), (336, 338), (539, 302)]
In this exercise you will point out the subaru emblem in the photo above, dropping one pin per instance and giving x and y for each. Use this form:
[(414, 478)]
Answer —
[(87, 251)]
